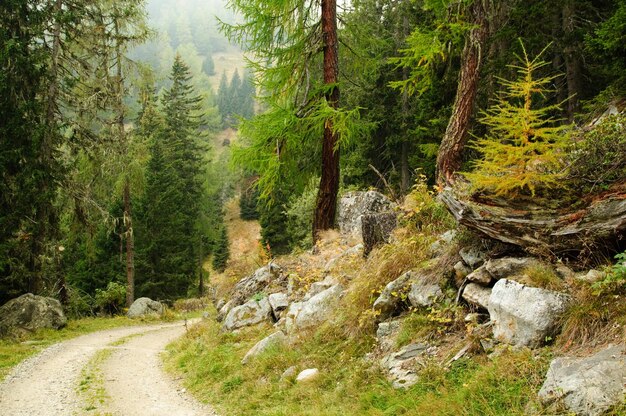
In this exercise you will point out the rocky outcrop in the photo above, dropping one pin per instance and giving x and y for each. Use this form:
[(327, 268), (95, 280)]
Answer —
[(270, 341), (31, 312), (353, 205), (386, 333), (357, 250), (145, 307), (257, 282), (524, 315), (587, 386), (279, 302), (319, 287), (473, 256), (376, 229), (313, 312), (250, 313)]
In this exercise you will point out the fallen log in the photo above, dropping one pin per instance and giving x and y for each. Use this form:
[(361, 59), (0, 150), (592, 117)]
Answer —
[(562, 232)]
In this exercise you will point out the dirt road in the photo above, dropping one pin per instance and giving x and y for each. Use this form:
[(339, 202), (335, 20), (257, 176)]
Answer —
[(134, 382)]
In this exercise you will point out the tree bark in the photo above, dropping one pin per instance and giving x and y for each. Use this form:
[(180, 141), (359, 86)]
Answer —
[(573, 65), (130, 246), (405, 172), (455, 137), (324, 217)]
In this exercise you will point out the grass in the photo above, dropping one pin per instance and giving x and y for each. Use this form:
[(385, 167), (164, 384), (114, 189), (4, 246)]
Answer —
[(209, 361), (91, 385)]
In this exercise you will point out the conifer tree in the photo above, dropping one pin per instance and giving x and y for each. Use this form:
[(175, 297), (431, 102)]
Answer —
[(521, 151), (221, 252)]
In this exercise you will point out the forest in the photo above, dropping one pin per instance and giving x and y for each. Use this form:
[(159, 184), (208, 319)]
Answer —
[(115, 177)]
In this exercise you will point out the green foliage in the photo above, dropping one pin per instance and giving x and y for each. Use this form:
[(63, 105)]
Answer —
[(615, 280), (221, 251), (248, 204), (598, 158), (273, 220), (299, 213), (110, 300), (521, 152)]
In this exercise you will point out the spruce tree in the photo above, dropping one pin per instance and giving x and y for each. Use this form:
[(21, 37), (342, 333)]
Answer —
[(221, 252)]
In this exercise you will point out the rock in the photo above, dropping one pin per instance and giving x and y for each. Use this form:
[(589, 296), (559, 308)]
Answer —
[(587, 386), (307, 375), (257, 282), (276, 338), (480, 276), (289, 373), (444, 240), (353, 205), (386, 333), (523, 315), (279, 302), (591, 277), (223, 311), (319, 287), (477, 295), (376, 229), (506, 267), (145, 306), (250, 313), (351, 252), (563, 271), (31, 312), (461, 271), (473, 256), (220, 304), (423, 293), (402, 366), (392, 298), (476, 318), (311, 313)]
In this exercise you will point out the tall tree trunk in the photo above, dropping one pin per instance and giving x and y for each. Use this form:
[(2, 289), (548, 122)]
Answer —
[(455, 137), (324, 217), (128, 223)]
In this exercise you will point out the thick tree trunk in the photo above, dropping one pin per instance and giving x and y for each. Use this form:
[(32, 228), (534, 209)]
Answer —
[(405, 172), (329, 183), (455, 137)]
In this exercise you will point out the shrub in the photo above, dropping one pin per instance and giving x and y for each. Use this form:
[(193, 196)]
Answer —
[(248, 204), (111, 300), (300, 211), (221, 253)]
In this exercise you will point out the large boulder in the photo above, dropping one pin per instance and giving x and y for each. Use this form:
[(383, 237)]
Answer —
[(376, 229), (587, 386), (145, 306), (257, 282), (250, 313), (279, 302), (266, 343), (353, 205), (524, 315), (31, 312), (313, 312)]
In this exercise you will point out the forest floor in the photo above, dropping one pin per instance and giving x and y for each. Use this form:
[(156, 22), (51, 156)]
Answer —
[(110, 372)]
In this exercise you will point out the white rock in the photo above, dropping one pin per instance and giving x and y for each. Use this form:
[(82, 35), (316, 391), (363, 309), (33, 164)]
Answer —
[(309, 374), (276, 338), (587, 386), (353, 205), (319, 287), (423, 293), (524, 315), (145, 306), (472, 256), (480, 276), (278, 301), (390, 300)]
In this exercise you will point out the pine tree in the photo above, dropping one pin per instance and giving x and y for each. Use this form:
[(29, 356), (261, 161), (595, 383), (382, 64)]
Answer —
[(521, 151), (221, 252), (172, 242)]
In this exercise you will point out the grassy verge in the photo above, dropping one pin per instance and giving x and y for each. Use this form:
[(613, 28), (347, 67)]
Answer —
[(91, 386), (209, 361)]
